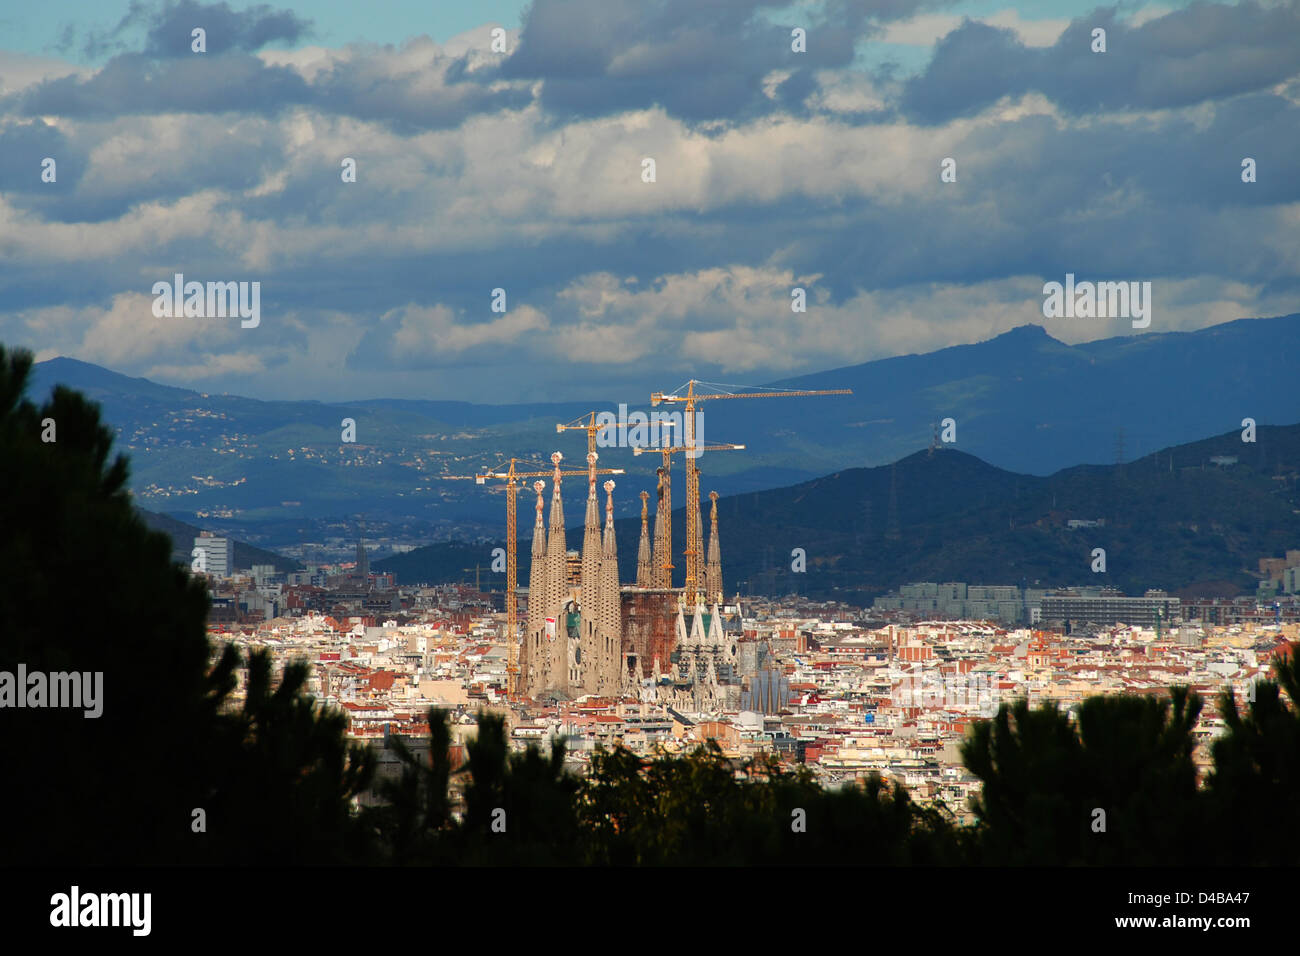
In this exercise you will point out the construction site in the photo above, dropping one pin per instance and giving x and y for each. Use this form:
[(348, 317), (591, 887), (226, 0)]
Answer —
[(578, 629)]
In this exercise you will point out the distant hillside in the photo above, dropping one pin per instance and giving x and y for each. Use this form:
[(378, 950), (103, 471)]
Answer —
[(447, 563), (1022, 401), (183, 536), (1172, 519), (1025, 402)]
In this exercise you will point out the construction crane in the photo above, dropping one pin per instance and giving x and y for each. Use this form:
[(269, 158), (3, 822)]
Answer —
[(592, 429), (662, 575), (664, 544), (511, 477), (475, 569), (687, 395)]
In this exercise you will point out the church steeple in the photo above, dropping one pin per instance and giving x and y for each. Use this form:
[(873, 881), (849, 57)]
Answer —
[(662, 560), (557, 587), (713, 573), (643, 577), (611, 603), (591, 556), (533, 652), (696, 543)]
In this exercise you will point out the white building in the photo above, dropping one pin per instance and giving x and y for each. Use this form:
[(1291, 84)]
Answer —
[(215, 556)]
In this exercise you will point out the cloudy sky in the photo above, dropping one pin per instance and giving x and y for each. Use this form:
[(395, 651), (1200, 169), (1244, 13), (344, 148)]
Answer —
[(522, 170)]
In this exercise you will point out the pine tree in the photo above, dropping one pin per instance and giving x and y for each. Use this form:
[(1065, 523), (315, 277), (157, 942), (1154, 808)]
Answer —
[(86, 587)]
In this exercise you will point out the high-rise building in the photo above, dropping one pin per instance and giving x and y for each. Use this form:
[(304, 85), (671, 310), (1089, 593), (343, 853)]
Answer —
[(1113, 608), (363, 559), (216, 556)]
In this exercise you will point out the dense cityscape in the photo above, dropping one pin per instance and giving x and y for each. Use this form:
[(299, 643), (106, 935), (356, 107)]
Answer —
[(846, 691)]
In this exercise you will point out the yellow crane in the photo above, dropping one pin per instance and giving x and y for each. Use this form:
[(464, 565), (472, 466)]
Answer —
[(664, 544), (511, 477), (589, 427), (687, 396), (663, 575), (592, 429)]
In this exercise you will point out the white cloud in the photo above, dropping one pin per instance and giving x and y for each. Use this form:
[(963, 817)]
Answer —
[(140, 230), (20, 70), (126, 334), (927, 29), (437, 330)]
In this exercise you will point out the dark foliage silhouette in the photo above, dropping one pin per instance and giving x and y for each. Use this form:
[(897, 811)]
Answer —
[(1116, 787), (85, 586), (1254, 789)]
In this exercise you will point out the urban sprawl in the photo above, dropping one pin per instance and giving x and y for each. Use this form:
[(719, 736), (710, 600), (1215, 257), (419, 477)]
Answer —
[(844, 691)]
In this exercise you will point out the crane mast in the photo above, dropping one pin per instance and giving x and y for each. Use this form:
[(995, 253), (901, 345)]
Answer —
[(692, 401), (666, 536), (590, 427)]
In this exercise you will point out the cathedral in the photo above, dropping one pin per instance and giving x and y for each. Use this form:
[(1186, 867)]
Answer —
[(586, 633)]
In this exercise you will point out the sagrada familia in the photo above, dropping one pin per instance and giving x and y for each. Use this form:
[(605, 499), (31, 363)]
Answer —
[(588, 634)]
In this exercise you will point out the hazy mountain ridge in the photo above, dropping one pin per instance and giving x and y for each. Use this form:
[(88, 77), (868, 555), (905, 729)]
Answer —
[(1022, 401), (958, 518)]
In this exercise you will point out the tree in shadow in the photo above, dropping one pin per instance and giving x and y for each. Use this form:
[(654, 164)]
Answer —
[(1117, 787), (283, 775), (1254, 788), (86, 587), (519, 807), (697, 809), (701, 809)]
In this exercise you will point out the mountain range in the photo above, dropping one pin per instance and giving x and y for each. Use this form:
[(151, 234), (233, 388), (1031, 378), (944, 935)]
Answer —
[(1194, 519), (275, 473)]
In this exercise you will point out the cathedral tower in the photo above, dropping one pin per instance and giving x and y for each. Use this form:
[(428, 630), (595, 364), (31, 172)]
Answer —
[(535, 655), (713, 573), (610, 610), (643, 553)]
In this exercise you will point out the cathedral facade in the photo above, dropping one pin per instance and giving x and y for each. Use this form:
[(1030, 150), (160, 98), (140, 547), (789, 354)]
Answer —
[(573, 637), (587, 634)]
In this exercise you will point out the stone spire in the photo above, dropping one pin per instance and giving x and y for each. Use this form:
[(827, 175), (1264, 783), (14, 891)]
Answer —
[(697, 543), (557, 588), (662, 576), (532, 670), (611, 603), (591, 545), (713, 574), (643, 553)]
